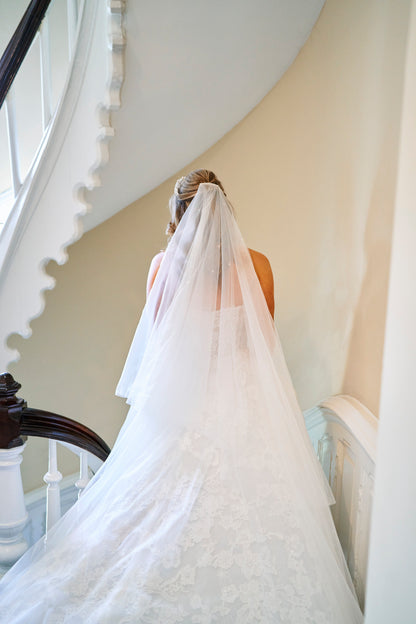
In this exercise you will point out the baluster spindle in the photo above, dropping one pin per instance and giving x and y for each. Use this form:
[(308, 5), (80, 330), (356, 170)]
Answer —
[(13, 142), (45, 72), (82, 482), (53, 493)]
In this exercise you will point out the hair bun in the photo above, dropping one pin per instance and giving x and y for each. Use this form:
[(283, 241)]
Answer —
[(185, 190)]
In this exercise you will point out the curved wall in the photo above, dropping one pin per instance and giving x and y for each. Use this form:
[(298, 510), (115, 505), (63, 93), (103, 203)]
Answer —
[(311, 172)]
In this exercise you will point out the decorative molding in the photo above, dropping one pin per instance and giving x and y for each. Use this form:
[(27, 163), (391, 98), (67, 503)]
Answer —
[(65, 167)]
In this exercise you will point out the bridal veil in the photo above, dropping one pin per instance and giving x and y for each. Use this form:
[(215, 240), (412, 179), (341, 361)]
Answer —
[(212, 506), (205, 313)]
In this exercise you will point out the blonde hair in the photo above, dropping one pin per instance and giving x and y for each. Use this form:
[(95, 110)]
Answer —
[(185, 190)]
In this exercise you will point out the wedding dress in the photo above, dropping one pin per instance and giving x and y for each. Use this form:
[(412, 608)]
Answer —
[(212, 506)]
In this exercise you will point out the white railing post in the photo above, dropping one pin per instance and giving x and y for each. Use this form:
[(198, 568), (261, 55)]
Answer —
[(53, 493), (45, 72), (72, 13), (13, 142), (82, 482), (13, 514)]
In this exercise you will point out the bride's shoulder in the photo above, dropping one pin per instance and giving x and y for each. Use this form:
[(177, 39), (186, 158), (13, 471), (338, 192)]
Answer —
[(154, 268), (157, 259), (264, 274), (155, 263), (259, 260)]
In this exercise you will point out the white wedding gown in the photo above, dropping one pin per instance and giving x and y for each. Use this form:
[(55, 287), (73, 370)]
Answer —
[(212, 507)]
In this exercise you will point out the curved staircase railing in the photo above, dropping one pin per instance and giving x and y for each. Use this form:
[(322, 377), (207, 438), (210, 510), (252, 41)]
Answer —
[(44, 424), (20, 43), (33, 23), (17, 422)]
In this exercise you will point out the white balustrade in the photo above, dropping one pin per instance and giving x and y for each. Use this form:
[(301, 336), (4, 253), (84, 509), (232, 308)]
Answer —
[(344, 434), (70, 488), (53, 478), (13, 514)]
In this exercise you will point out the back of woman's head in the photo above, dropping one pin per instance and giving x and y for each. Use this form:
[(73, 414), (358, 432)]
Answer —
[(185, 190)]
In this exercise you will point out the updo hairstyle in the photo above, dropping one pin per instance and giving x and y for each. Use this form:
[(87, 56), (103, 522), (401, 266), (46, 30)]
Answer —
[(185, 190)]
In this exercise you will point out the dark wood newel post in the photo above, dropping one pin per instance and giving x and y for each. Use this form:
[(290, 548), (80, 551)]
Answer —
[(11, 408), (17, 421)]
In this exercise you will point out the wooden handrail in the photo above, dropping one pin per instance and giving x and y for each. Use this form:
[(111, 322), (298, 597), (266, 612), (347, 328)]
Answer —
[(20, 43), (18, 421), (50, 425)]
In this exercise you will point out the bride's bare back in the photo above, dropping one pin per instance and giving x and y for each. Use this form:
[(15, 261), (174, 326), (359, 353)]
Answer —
[(265, 276), (261, 266)]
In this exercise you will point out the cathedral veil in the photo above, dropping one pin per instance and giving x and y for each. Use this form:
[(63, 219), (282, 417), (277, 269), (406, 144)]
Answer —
[(212, 506)]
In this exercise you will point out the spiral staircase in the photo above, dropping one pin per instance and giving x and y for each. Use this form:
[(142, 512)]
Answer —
[(85, 139)]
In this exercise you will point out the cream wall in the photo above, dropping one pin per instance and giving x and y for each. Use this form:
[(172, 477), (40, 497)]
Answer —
[(311, 173)]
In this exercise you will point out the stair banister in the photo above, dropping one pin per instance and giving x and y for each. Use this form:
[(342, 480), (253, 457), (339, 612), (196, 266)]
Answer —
[(20, 43), (17, 421)]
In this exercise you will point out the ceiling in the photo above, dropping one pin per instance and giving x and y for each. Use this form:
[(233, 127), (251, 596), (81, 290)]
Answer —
[(193, 70)]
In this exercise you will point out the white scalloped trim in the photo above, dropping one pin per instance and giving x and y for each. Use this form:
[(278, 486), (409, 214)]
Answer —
[(40, 227)]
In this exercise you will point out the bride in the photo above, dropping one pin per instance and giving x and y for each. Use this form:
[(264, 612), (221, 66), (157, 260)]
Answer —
[(212, 506)]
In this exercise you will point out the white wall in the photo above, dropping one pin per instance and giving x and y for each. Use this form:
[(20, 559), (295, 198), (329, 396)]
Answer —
[(392, 571), (311, 172)]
